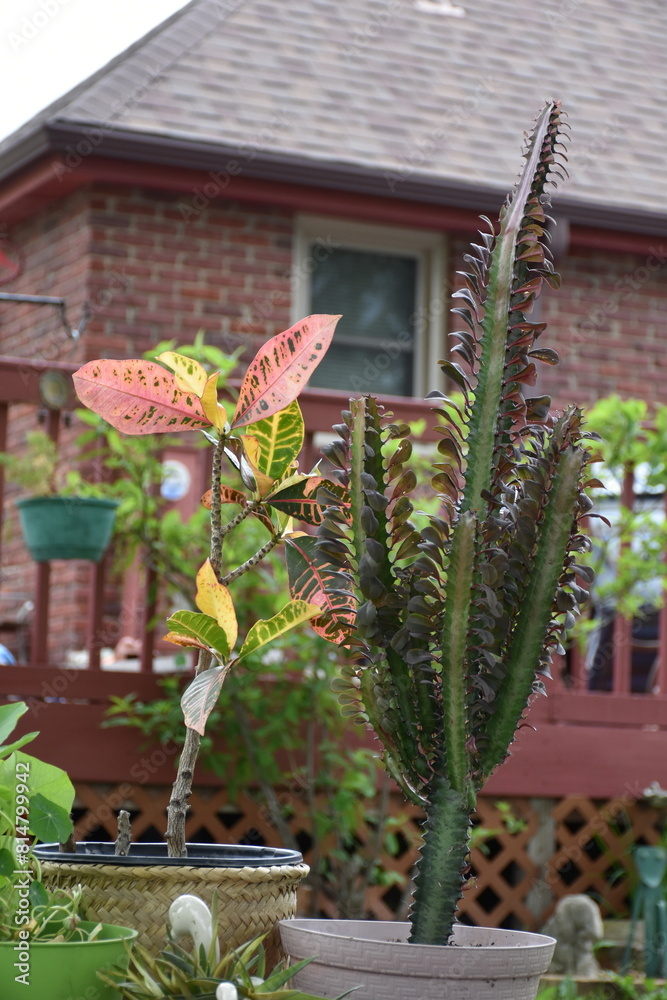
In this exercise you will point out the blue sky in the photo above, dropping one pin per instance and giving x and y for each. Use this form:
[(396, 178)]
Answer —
[(48, 46)]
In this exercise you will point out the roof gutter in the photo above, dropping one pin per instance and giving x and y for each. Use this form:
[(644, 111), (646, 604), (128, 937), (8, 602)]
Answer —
[(71, 144)]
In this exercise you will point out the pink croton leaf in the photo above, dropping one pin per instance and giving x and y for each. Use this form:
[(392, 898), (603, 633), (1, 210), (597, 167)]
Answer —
[(313, 578), (138, 397), (282, 367)]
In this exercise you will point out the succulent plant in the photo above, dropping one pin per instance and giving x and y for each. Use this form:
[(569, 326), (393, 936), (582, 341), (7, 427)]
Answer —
[(203, 971), (458, 620)]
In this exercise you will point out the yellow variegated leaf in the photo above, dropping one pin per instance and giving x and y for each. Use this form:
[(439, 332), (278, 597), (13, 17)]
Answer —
[(253, 478), (215, 412), (279, 439), (291, 615), (200, 630), (214, 599), (189, 374)]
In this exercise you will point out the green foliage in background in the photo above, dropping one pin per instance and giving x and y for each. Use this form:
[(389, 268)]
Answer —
[(628, 556), (614, 987)]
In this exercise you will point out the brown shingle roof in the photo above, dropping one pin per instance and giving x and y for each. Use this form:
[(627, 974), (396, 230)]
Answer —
[(399, 87)]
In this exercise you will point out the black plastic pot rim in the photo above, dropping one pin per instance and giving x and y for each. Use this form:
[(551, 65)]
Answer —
[(198, 856)]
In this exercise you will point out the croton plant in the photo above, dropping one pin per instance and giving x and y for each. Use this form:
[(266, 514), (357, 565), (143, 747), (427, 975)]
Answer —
[(260, 445), (451, 625)]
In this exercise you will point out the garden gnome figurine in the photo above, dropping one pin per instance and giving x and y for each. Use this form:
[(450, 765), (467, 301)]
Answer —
[(576, 924)]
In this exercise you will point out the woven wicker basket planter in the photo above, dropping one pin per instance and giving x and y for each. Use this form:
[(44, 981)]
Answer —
[(256, 886)]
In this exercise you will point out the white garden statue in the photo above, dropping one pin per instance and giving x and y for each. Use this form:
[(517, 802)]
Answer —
[(577, 926)]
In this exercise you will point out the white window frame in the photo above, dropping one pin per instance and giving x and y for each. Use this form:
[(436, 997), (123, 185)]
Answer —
[(432, 293)]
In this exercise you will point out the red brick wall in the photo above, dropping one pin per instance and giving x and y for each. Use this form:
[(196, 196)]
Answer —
[(609, 324), (160, 270)]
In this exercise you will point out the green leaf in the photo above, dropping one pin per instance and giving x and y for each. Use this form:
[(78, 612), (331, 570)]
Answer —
[(190, 628), (282, 367), (49, 821), (7, 863), (37, 894), (50, 793), (262, 632), (201, 697), (50, 781), (138, 397), (9, 716), (280, 439), (17, 744)]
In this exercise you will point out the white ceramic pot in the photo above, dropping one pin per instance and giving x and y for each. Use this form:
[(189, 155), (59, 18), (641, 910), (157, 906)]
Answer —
[(482, 964)]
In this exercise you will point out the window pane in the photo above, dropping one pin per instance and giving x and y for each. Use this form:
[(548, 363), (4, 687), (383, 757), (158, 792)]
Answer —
[(372, 349)]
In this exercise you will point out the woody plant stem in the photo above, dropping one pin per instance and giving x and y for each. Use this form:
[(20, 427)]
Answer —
[(182, 787)]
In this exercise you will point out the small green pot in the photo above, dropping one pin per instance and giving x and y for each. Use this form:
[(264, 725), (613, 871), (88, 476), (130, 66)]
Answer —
[(67, 527), (63, 970)]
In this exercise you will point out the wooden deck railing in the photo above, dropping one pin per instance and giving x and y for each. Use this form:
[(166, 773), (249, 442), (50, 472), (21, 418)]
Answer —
[(612, 737)]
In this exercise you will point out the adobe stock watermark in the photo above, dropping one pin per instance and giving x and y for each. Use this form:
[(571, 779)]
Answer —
[(22, 876), (425, 148), (93, 136), (612, 130), (264, 307), (623, 289), (372, 29), (141, 773), (562, 12), (53, 344), (219, 180), (32, 24)]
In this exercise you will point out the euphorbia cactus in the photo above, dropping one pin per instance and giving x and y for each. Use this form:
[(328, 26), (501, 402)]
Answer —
[(459, 619)]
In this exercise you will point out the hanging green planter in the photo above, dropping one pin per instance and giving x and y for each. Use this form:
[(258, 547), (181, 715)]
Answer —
[(61, 527)]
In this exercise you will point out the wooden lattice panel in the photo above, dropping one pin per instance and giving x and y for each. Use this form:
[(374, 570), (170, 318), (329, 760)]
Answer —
[(594, 844), (590, 849), (502, 873)]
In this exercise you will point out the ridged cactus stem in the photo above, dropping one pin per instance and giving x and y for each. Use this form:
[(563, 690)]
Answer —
[(444, 858), (454, 646), (527, 643), (482, 435)]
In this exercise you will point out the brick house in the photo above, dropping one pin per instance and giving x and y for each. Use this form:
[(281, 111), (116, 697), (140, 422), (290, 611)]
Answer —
[(246, 164)]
